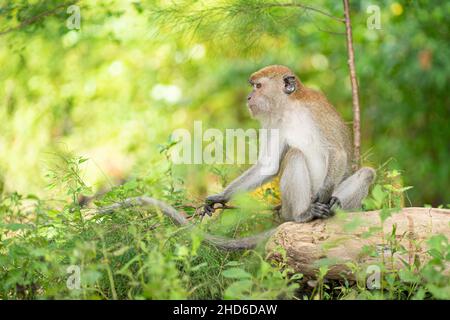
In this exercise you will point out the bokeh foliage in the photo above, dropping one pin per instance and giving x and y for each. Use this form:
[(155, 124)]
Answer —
[(136, 70), (84, 110)]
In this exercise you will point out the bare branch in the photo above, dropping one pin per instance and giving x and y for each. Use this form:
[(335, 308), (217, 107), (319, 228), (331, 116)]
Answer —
[(305, 7), (354, 83), (323, 30)]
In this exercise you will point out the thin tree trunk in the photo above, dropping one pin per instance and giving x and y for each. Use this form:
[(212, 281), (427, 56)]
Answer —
[(354, 82)]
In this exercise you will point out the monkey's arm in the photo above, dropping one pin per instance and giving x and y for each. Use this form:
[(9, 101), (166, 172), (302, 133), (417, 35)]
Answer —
[(249, 180), (265, 169)]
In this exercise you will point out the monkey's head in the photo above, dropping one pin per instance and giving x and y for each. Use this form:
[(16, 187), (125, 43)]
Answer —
[(272, 87)]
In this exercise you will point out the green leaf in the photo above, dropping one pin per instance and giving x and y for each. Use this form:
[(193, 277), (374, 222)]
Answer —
[(238, 290), (236, 273), (199, 266), (128, 264), (408, 276), (16, 226), (353, 224), (297, 276), (82, 160), (378, 195), (233, 264), (384, 214), (121, 251)]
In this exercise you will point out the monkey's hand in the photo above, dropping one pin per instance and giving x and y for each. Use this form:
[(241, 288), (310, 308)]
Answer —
[(321, 210), (210, 201)]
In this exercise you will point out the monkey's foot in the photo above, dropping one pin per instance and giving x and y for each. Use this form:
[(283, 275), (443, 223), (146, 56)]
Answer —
[(334, 204), (324, 210), (208, 208), (277, 211), (320, 210)]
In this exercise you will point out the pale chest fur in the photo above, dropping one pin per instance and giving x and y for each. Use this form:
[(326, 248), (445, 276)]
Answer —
[(299, 131)]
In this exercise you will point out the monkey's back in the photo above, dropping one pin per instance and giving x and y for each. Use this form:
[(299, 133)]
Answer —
[(332, 126)]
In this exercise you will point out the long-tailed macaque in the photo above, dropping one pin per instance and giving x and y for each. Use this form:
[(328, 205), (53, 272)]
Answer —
[(314, 154)]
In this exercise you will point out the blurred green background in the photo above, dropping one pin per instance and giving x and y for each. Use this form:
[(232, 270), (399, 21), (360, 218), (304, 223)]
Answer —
[(135, 71)]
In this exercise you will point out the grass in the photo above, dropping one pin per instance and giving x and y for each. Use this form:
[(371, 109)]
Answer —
[(58, 250)]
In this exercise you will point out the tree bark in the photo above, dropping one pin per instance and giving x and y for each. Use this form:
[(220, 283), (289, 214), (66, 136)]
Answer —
[(355, 91), (305, 244)]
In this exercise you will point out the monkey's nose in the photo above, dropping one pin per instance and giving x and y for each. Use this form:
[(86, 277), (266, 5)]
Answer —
[(249, 97)]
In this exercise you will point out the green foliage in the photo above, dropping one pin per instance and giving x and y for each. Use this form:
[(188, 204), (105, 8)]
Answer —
[(140, 254), (131, 254), (118, 87), (263, 282), (416, 279)]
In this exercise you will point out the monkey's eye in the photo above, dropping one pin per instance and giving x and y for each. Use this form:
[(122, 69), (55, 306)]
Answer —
[(258, 85)]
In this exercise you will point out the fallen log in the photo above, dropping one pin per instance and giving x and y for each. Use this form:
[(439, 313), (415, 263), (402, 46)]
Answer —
[(346, 240)]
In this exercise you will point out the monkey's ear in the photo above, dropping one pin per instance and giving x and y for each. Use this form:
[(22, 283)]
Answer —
[(289, 84)]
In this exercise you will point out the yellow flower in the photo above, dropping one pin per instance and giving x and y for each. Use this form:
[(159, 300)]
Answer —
[(269, 192), (396, 9)]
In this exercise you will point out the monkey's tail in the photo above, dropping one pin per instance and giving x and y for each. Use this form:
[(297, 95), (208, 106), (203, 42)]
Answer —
[(217, 241)]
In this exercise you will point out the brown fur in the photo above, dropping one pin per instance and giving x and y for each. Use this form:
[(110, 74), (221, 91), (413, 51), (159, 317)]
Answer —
[(326, 116), (328, 119), (270, 72)]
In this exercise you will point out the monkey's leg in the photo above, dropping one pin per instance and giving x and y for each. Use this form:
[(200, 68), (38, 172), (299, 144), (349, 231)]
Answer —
[(295, 187), (355, 188), (324, 201), (348, 195)]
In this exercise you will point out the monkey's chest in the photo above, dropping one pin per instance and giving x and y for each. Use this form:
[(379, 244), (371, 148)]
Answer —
[(308, 140)]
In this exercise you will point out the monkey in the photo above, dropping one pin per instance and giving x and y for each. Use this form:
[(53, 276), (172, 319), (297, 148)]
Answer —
[(309, 148), (313, 155)]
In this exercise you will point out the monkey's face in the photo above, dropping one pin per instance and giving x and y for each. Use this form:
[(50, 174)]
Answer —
[(259, 101), (268, 95)]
